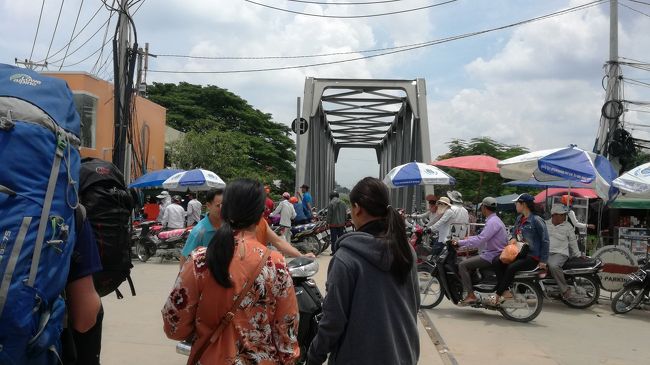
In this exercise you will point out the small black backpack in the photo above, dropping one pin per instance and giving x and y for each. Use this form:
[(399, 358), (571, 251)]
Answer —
[(109, 205)]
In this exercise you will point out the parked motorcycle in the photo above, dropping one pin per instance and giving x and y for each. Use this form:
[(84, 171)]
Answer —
[(311, 237), (635, 291), (439, 278), (310, 305), (154, 241), (581, 275)]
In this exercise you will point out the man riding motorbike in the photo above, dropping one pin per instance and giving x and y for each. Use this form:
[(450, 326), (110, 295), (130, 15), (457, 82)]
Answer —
[(460, 221), (563, 244), (492, 239)]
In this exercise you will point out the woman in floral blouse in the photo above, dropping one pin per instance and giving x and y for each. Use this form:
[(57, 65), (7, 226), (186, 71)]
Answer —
[(264, 328)]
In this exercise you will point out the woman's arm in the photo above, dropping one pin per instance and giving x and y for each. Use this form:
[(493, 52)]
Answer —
[(179, 312)]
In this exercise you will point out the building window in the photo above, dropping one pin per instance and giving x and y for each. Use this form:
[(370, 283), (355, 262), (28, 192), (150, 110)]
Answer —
[(87, 108)]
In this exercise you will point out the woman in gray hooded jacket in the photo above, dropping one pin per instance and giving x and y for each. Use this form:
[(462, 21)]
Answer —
[(370, 311)]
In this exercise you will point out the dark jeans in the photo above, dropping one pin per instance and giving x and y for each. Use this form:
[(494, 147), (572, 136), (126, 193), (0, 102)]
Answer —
[(335, 233), (436, 248), (86, 346), (506, 273)]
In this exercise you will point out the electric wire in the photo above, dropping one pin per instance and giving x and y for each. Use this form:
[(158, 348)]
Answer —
[(56, 26), (634, 1), (99, 58), (38, 27), (350, 16), (394, 51), (633, 9), (345, 3), (78, 33), (73, 30)]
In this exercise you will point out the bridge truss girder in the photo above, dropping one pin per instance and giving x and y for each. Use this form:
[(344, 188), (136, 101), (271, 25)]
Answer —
[(356, 113)]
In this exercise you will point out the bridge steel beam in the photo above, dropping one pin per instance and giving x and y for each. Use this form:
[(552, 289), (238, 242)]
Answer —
[(389, 116)]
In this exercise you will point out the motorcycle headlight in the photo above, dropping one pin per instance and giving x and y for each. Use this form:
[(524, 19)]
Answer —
[(302, 267)]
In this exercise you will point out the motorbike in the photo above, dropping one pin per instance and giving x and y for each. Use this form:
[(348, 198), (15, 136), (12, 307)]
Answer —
[(439, 278), (581, 275), (310, 305), (154, 241), (635, 291), (310, 237)]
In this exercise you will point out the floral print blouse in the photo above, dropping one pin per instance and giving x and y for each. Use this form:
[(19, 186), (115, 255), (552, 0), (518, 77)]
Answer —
[(264, 329)]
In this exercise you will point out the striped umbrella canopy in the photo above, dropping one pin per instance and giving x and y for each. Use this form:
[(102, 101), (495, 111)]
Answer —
[(416, 173), (194, 180)]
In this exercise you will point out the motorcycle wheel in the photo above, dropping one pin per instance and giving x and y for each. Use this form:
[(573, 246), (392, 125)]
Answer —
[(587, 292), (142, 252), (627, 299), (527, 303), (430, 288)]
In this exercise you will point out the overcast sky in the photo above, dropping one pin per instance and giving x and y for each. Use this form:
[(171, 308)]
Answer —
[(537, 85)]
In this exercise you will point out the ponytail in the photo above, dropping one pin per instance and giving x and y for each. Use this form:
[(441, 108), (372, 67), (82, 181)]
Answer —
[(242, 208), (219, 254), (400, 249)]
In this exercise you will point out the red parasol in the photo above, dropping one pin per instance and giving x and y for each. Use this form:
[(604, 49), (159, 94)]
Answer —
[(480, 163)]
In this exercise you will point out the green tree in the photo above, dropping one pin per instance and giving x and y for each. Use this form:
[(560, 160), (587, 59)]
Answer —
[(467, 182), (225, 133)]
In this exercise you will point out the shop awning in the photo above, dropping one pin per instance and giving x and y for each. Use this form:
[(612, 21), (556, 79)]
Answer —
[(630, 203)]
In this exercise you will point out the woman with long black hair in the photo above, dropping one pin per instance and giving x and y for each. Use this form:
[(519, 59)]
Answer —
[(529, 229), (235, 296), (370, 311)]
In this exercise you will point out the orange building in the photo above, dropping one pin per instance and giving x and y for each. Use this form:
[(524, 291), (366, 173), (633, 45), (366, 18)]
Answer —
[(94, 100)]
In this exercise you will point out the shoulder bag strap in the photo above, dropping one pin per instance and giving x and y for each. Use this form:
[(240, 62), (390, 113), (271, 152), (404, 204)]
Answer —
[(228, 317)]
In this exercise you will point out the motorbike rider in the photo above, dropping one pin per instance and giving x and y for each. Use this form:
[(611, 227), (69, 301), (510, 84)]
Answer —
[(492, 239), (442, 223), (563, 244), (287, 213), (203, 232), (194, 208), (460, 222), (174, 215), (165, 200), (530, 229), (429, 215)]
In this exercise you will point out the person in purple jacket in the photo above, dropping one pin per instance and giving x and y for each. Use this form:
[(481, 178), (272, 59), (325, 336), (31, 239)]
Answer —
[(492, 239)]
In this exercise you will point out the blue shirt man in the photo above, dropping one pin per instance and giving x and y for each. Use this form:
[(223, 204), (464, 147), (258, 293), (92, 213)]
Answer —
[(202, 233), (306, 199)]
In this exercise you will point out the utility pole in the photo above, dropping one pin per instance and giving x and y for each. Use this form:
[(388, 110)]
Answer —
[(609, 121), (30, 64), (298, 130), (143, 58), (123, 80)]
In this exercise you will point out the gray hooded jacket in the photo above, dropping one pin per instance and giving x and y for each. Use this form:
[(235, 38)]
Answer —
[(368, 316)]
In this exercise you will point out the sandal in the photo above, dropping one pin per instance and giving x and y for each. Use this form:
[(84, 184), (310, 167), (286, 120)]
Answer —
[(494, 301), (466, 302)]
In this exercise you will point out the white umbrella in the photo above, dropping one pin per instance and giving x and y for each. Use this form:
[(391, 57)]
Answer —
[(570, 163), (194, 180), (415, 173), (636, 182)]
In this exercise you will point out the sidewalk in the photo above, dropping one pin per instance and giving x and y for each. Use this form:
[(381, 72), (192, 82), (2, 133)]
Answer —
[(133, 326)]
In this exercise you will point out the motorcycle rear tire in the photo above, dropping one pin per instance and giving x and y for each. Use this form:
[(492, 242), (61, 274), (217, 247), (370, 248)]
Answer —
[(142, 252), (424, 269), (594, 284), (635, 302)]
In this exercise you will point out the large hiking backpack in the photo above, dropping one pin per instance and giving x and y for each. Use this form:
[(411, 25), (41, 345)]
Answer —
[(39, 140), (108, 205)]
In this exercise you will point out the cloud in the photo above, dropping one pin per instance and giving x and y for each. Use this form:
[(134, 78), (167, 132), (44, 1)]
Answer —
[(541, 89)]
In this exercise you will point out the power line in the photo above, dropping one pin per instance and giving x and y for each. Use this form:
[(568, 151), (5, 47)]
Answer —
[(96, 65), (409, 48), (79, 33), (38, 27), (635, 10), (350, 16), (71, 35), (350, 3), (56, 26), (634, 1)]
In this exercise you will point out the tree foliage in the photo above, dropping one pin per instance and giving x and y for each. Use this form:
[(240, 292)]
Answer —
[(225, 134), (467, 182)]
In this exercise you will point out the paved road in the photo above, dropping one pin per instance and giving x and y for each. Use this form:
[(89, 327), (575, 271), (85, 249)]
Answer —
[(133, 326), (559, 335)]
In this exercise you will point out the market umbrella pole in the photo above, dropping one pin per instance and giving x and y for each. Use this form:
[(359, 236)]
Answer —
[(480, 184)]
